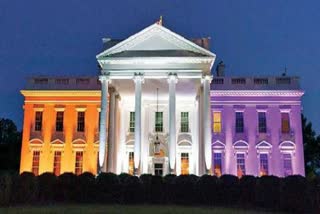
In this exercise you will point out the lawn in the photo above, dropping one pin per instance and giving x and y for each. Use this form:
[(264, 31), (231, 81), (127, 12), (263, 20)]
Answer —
[(117, 209)]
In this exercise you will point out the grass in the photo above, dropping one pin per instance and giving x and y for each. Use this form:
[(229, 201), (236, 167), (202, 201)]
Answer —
[(119, 209)]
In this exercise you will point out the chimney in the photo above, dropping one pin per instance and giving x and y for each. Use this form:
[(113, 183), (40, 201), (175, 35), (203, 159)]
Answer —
[(220, 69)]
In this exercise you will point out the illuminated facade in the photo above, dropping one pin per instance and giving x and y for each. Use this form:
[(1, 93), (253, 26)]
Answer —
[(195, 124)]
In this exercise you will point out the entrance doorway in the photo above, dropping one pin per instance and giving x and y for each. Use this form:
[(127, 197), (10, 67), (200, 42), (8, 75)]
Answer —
[(158, 169)]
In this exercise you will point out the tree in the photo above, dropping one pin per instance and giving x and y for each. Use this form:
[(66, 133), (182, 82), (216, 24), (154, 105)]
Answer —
[(10, 145), (311, 144)]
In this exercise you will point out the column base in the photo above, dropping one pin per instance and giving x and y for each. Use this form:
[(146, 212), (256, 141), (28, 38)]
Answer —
[(172, 171), (136, 172), (208, 172)]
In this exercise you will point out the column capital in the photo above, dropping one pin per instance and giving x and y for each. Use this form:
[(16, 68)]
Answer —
[(138, 77), (104, 78), (206, 78), (172, 76)]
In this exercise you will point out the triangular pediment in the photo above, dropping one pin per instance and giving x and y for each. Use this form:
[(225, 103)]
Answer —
[(156, 38)]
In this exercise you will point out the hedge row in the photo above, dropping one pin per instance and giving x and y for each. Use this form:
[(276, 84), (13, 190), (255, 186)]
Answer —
[(291, 194)]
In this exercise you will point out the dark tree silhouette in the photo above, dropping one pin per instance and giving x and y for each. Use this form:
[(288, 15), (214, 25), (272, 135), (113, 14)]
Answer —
[(311, 144), (10, 146)]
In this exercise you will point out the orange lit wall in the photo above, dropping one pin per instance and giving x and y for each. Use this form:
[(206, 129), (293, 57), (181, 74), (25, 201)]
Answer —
[(47, 141)]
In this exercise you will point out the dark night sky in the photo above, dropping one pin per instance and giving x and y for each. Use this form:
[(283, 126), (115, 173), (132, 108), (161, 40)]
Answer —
[(252, 37)]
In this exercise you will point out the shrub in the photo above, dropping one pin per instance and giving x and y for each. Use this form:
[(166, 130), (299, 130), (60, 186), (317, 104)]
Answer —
[(228, 189), (207, 189), (247, 185), (133, 190), (123, 176), (294, 194), (169, 188), (86, 188), (66, 187), (268, 192), (25, 188), (5, 189), (157, 189), (185, 189), (47, 187), (108, 188), (146, 183)]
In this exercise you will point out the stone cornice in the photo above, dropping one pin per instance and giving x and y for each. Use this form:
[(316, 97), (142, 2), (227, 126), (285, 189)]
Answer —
[(61, 93), (155, 60), (257, 93)]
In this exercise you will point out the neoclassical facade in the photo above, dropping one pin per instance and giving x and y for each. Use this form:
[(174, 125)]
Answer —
[(156, 108)]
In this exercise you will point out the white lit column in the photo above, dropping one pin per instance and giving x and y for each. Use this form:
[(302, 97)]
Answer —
[(111, 132), (172, 80), (103, 117), (206, 80), (138, 80)]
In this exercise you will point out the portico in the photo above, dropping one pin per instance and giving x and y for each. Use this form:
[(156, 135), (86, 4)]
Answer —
[(157, 58)]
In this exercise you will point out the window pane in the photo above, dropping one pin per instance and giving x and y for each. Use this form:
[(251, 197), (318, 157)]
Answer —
[(262, 122), (131, 163), (264, 167), (158, 169), (81, 121), (57, 163), (79, 162), (132, 121), (285, 123), (217, 122), (184, 121), (35, 162), (217, 164), (159, 122), (184, 163), (239, 122), (59, 121), (241, 165), (38, 121), (287, 164)]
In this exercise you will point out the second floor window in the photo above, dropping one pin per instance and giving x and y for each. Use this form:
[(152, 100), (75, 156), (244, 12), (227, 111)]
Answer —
[(262, 122), (38, 121), (285, 122), (159, 122), (59, 121), (216, 122), (81, 124), (184, 121), (239, 122), (132, 121)]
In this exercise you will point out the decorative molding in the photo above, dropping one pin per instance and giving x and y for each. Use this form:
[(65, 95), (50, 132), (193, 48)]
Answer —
[(256, 93), (61, 93)]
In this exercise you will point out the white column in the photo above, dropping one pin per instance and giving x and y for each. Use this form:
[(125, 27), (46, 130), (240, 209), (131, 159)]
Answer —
[(111, 133), (206, 80), (138, 80), (103, 117), (172, 80)]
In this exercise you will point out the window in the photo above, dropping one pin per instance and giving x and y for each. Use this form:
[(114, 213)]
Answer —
[(79, 162), (285, 122), (41, 81), (132, 121), (159, 122), (287, 164), (217, 122), (35, 162), (158, 169), (262, 122), (82, 81), (238, 81), (57, 163), (59, 121), (184, 163), (62, 81), (184, 121), (241, 164), (80, 127), (38, 121), (239, 122), (260, 81), (131, 163), (217, 164), (283, 80), (264, 167), (217, 81)]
